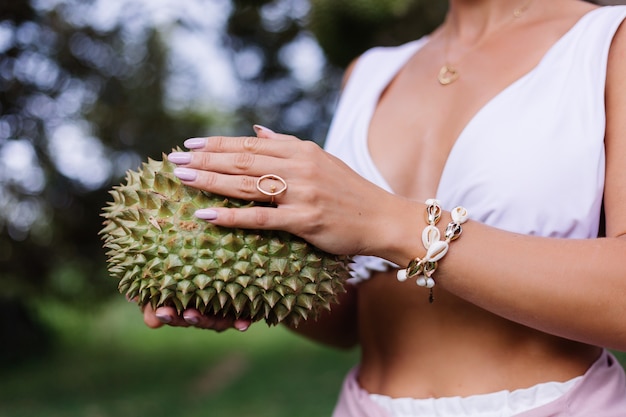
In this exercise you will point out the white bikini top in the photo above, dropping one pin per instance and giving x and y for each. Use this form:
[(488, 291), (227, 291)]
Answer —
[(530, 161)]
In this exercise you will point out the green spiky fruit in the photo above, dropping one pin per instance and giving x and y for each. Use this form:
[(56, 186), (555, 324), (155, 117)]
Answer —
[(163, 255)]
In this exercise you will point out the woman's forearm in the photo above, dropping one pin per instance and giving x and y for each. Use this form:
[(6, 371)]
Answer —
[(573, 288)]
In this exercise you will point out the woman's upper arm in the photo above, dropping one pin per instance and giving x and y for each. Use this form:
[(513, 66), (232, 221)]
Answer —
[(348, 72), (615, 186)]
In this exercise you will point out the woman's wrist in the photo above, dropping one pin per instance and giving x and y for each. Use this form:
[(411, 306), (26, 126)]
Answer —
[(436, 244), (398, 236)]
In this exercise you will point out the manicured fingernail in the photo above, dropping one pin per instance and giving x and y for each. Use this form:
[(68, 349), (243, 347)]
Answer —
[(195, 143), (262, 129), (206, 214), (179, 157), (165, 318), (191, 319), (242, 327), (186, 174)]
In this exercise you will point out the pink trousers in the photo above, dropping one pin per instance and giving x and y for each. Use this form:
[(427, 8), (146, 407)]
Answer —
[(601, 392)]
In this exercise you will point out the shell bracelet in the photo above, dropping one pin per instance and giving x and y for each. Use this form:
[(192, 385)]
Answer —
[(422, 269)]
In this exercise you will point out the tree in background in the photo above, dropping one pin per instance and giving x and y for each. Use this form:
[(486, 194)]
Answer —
[(78, 105), (347, 28), (270, 40), (82, 101)]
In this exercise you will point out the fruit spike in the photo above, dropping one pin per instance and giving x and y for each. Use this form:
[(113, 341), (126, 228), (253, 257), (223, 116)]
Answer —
[(161, 254)]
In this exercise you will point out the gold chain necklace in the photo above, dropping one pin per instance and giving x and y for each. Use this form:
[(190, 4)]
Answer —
[(448, 72)]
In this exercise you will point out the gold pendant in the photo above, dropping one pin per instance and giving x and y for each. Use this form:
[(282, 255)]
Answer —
[(447, 75)]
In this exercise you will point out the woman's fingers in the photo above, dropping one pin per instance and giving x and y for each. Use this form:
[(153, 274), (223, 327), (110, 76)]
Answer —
[(240, 167), (311, 193), (253, 156), (264, 132), (266, 188), (160, 316), (246, 176), (250, 144), (228, 163), (264, 218), (190, 318), (150, 318), (196, 319), (238, 186)]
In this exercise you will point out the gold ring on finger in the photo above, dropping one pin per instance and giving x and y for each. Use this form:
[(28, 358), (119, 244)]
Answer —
[(273, 192)]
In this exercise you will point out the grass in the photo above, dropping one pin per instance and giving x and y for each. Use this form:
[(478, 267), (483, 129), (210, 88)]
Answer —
[(110, 364)]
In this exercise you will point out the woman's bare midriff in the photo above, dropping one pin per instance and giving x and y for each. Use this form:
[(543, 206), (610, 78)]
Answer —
[(411, 348)]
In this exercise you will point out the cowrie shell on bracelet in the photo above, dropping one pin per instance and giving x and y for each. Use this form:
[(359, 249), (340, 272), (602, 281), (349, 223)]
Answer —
[(433, 214), (415, 267), (401, 275), (422, 281), (436, 251), (459, 215), (430, 234), (453, 231)]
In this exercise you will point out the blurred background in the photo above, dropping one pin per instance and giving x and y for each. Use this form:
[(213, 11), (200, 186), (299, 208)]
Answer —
[(90, 89)]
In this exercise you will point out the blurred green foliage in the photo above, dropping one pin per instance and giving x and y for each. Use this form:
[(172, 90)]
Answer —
[(82, 101), (109, 364), (347, 28)]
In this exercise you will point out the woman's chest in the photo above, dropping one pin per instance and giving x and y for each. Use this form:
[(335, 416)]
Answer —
[(416, 124), (527, 157)]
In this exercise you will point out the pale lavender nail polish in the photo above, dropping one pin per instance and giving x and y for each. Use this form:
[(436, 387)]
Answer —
[(195, 143), (186, 174), (193, 320), (179, 157), (165, 318), (206, 214), (262, 129), (241, 326)]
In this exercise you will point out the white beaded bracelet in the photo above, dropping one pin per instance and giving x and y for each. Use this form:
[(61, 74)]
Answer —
[(423, 268)]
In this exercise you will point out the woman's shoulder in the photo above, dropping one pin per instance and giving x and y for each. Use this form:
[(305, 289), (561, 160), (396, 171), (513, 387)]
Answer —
[(381, 58), (619, 40), (399, 52), (616, 67)]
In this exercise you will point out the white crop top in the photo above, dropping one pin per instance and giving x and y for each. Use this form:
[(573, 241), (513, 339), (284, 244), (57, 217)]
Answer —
[(530, 161)]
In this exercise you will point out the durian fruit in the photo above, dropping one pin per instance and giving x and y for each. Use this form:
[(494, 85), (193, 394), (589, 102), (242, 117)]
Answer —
[(163, 255)]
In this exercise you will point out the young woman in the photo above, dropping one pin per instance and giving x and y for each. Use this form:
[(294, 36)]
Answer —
[(514, 110)]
